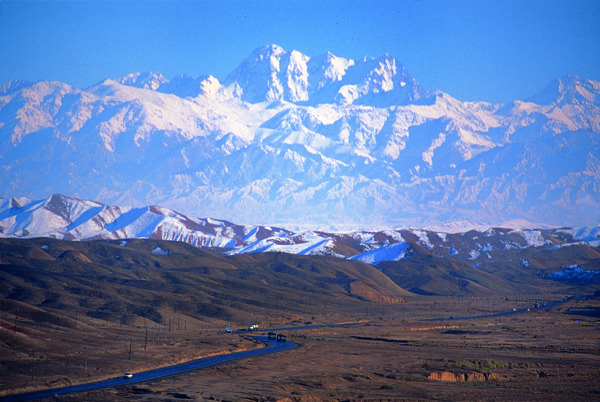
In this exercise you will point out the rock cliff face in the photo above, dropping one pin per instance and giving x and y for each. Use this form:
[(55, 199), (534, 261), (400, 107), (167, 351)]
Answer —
[(448, 376)]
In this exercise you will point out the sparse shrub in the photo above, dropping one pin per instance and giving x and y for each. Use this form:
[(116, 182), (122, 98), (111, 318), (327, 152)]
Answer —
[(387, 386), (487, 365), (361, 396)]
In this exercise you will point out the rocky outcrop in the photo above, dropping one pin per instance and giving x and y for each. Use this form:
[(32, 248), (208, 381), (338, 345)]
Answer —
[(463, 377)]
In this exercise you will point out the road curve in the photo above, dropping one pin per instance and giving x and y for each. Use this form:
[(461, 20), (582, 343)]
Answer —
[(151, 375)]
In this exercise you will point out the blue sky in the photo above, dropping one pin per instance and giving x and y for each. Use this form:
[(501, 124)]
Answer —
[(495, 51)]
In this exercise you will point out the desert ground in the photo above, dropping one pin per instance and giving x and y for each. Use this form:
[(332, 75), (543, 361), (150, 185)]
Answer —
[(77, 312), (389, 353)]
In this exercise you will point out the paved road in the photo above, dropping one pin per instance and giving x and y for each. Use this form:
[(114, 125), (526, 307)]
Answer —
[(273, 347), (151, 375), (300, 327), (547, 305)]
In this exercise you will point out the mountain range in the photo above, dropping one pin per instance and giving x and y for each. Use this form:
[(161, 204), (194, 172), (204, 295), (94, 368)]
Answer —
[(554, 251), (421, 261), (288, 139)]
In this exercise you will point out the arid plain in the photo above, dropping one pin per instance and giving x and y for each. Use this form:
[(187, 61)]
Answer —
[(62, 324)]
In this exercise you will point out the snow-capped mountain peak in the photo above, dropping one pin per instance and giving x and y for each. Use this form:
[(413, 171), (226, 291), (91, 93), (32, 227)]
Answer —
[(326, 69), (294, 139), (568, 89), (271, 73), (147, 80)]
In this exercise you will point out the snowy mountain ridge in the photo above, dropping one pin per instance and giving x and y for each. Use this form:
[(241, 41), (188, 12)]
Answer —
[(74, 219), (303, 140)]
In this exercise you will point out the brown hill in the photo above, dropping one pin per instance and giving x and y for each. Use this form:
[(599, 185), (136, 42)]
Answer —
[(73, 256), (499, 271), (124, 281)]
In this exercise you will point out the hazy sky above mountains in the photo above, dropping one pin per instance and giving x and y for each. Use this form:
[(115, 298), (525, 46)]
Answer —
[(495, 51)]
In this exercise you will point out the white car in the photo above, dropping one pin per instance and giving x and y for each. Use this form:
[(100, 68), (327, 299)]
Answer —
[(128, 375)]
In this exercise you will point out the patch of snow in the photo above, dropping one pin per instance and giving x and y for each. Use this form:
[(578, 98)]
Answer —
[(391, 252), (575, 273), (160, 251), (423, 238), (534, 238), (584, 234)]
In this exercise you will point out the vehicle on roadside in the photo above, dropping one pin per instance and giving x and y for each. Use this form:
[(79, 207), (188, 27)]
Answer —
[(228, 330), (128, 375), (281, 338), (271, 336), (253, 327)]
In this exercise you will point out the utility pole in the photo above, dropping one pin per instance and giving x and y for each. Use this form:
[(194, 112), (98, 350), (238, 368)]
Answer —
[(146, 340), (129, 349)]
